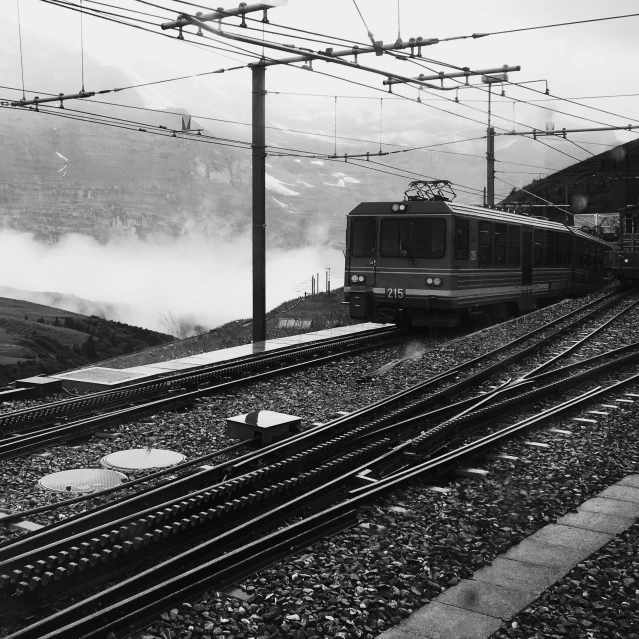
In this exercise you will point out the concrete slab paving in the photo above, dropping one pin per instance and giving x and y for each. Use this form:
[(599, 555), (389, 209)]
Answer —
[(586, 541), (545, 555), (611, 507), (597, 521), (441, 621), (487, 598), (622, 493), (517, 574), (630, 480), (474, 608)]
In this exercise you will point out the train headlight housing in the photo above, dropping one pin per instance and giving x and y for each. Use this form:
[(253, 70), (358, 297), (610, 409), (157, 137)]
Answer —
[(398, 207), (358, 279)]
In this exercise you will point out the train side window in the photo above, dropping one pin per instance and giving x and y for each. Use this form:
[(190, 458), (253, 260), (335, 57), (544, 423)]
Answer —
[(462, 239), (485, 243), (538, 248), (559, 249), (514, 245), (567, 249), (599, 258), (363, 236), (548, 248), (500, 244)]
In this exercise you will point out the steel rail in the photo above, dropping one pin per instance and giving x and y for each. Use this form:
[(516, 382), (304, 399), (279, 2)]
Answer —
[(164, 383), (297, 442), (122, 610), (96, 542), (38, 439), (51, 560)]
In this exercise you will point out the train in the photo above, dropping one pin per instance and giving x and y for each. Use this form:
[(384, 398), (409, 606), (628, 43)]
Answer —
[(426, 261), (625, 259)]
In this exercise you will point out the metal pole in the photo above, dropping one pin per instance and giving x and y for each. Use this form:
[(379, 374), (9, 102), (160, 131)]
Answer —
[(490, 158), (258, 73)]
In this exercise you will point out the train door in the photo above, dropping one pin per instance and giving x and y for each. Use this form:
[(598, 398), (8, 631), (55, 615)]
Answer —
[(526, 267)]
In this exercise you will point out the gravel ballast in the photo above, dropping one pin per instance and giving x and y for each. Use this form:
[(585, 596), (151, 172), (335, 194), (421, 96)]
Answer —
[(409, 546)]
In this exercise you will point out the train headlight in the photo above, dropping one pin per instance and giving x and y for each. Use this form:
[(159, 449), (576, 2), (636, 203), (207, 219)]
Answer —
[(353, 278), (429, 280), (437, 281), (361, 279)]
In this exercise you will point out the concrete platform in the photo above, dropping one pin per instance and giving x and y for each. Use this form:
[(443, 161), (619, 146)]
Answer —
[(476, 607), (97, 378)]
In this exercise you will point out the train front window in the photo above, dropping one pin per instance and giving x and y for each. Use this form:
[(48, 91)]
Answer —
[(413, 237), (363, 236)]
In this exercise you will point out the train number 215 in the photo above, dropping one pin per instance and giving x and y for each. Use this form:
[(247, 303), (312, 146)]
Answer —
[(395, 293)]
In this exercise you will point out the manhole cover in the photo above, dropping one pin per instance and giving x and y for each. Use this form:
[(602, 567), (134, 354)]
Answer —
[(142, 459), (81, 480)]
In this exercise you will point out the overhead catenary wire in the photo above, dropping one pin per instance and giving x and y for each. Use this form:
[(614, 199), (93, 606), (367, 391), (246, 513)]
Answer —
[(560, 24), (20, 40), (510, 31), (73, 7), (427, 147), (82, 46), (356, 83), (66, 4)]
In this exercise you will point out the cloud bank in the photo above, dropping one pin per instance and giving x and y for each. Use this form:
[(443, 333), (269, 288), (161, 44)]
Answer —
[(197, 281)]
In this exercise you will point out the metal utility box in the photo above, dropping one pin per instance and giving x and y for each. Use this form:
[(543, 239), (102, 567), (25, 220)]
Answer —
[(265, 425)]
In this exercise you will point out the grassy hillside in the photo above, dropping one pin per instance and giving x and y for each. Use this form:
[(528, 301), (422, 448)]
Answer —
[(603, 183), (323, 311), (38, 339)]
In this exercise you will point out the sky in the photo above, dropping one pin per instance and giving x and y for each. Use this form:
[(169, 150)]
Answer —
[(577, 61)]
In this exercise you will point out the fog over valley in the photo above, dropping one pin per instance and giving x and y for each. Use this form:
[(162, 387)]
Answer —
[(149, 227)]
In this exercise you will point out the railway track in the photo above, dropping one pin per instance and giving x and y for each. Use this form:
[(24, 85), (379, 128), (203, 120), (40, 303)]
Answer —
[(32, 429), (377, 446)]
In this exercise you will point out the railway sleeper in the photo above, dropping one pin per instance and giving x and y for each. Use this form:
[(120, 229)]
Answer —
[(107, 563), (343, 438)]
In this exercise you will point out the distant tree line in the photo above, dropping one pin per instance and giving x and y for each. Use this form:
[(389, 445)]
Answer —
[(50, 351)]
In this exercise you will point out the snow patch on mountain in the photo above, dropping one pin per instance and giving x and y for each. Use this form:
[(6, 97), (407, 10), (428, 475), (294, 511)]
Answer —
[(285, 206), (273, 184), (342, 180)]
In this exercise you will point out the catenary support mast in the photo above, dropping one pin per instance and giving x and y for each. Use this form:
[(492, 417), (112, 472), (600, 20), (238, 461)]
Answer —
[(258, 105), (258, 72)]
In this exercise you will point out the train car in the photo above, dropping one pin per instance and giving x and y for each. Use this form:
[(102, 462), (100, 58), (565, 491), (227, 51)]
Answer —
[(431, 262), (625, 260)]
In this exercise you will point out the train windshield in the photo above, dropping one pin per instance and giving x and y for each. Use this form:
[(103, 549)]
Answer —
[(364, 236), (413, 237)]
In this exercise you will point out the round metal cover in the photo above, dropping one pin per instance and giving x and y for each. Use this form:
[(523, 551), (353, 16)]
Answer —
[(142, 459), (81, 480)]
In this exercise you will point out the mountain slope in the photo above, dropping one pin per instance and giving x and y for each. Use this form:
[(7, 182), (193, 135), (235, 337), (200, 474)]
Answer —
[(603, 183), (38, 339)]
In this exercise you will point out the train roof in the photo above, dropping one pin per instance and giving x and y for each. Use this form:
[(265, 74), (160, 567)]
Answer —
[(448, 208)]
